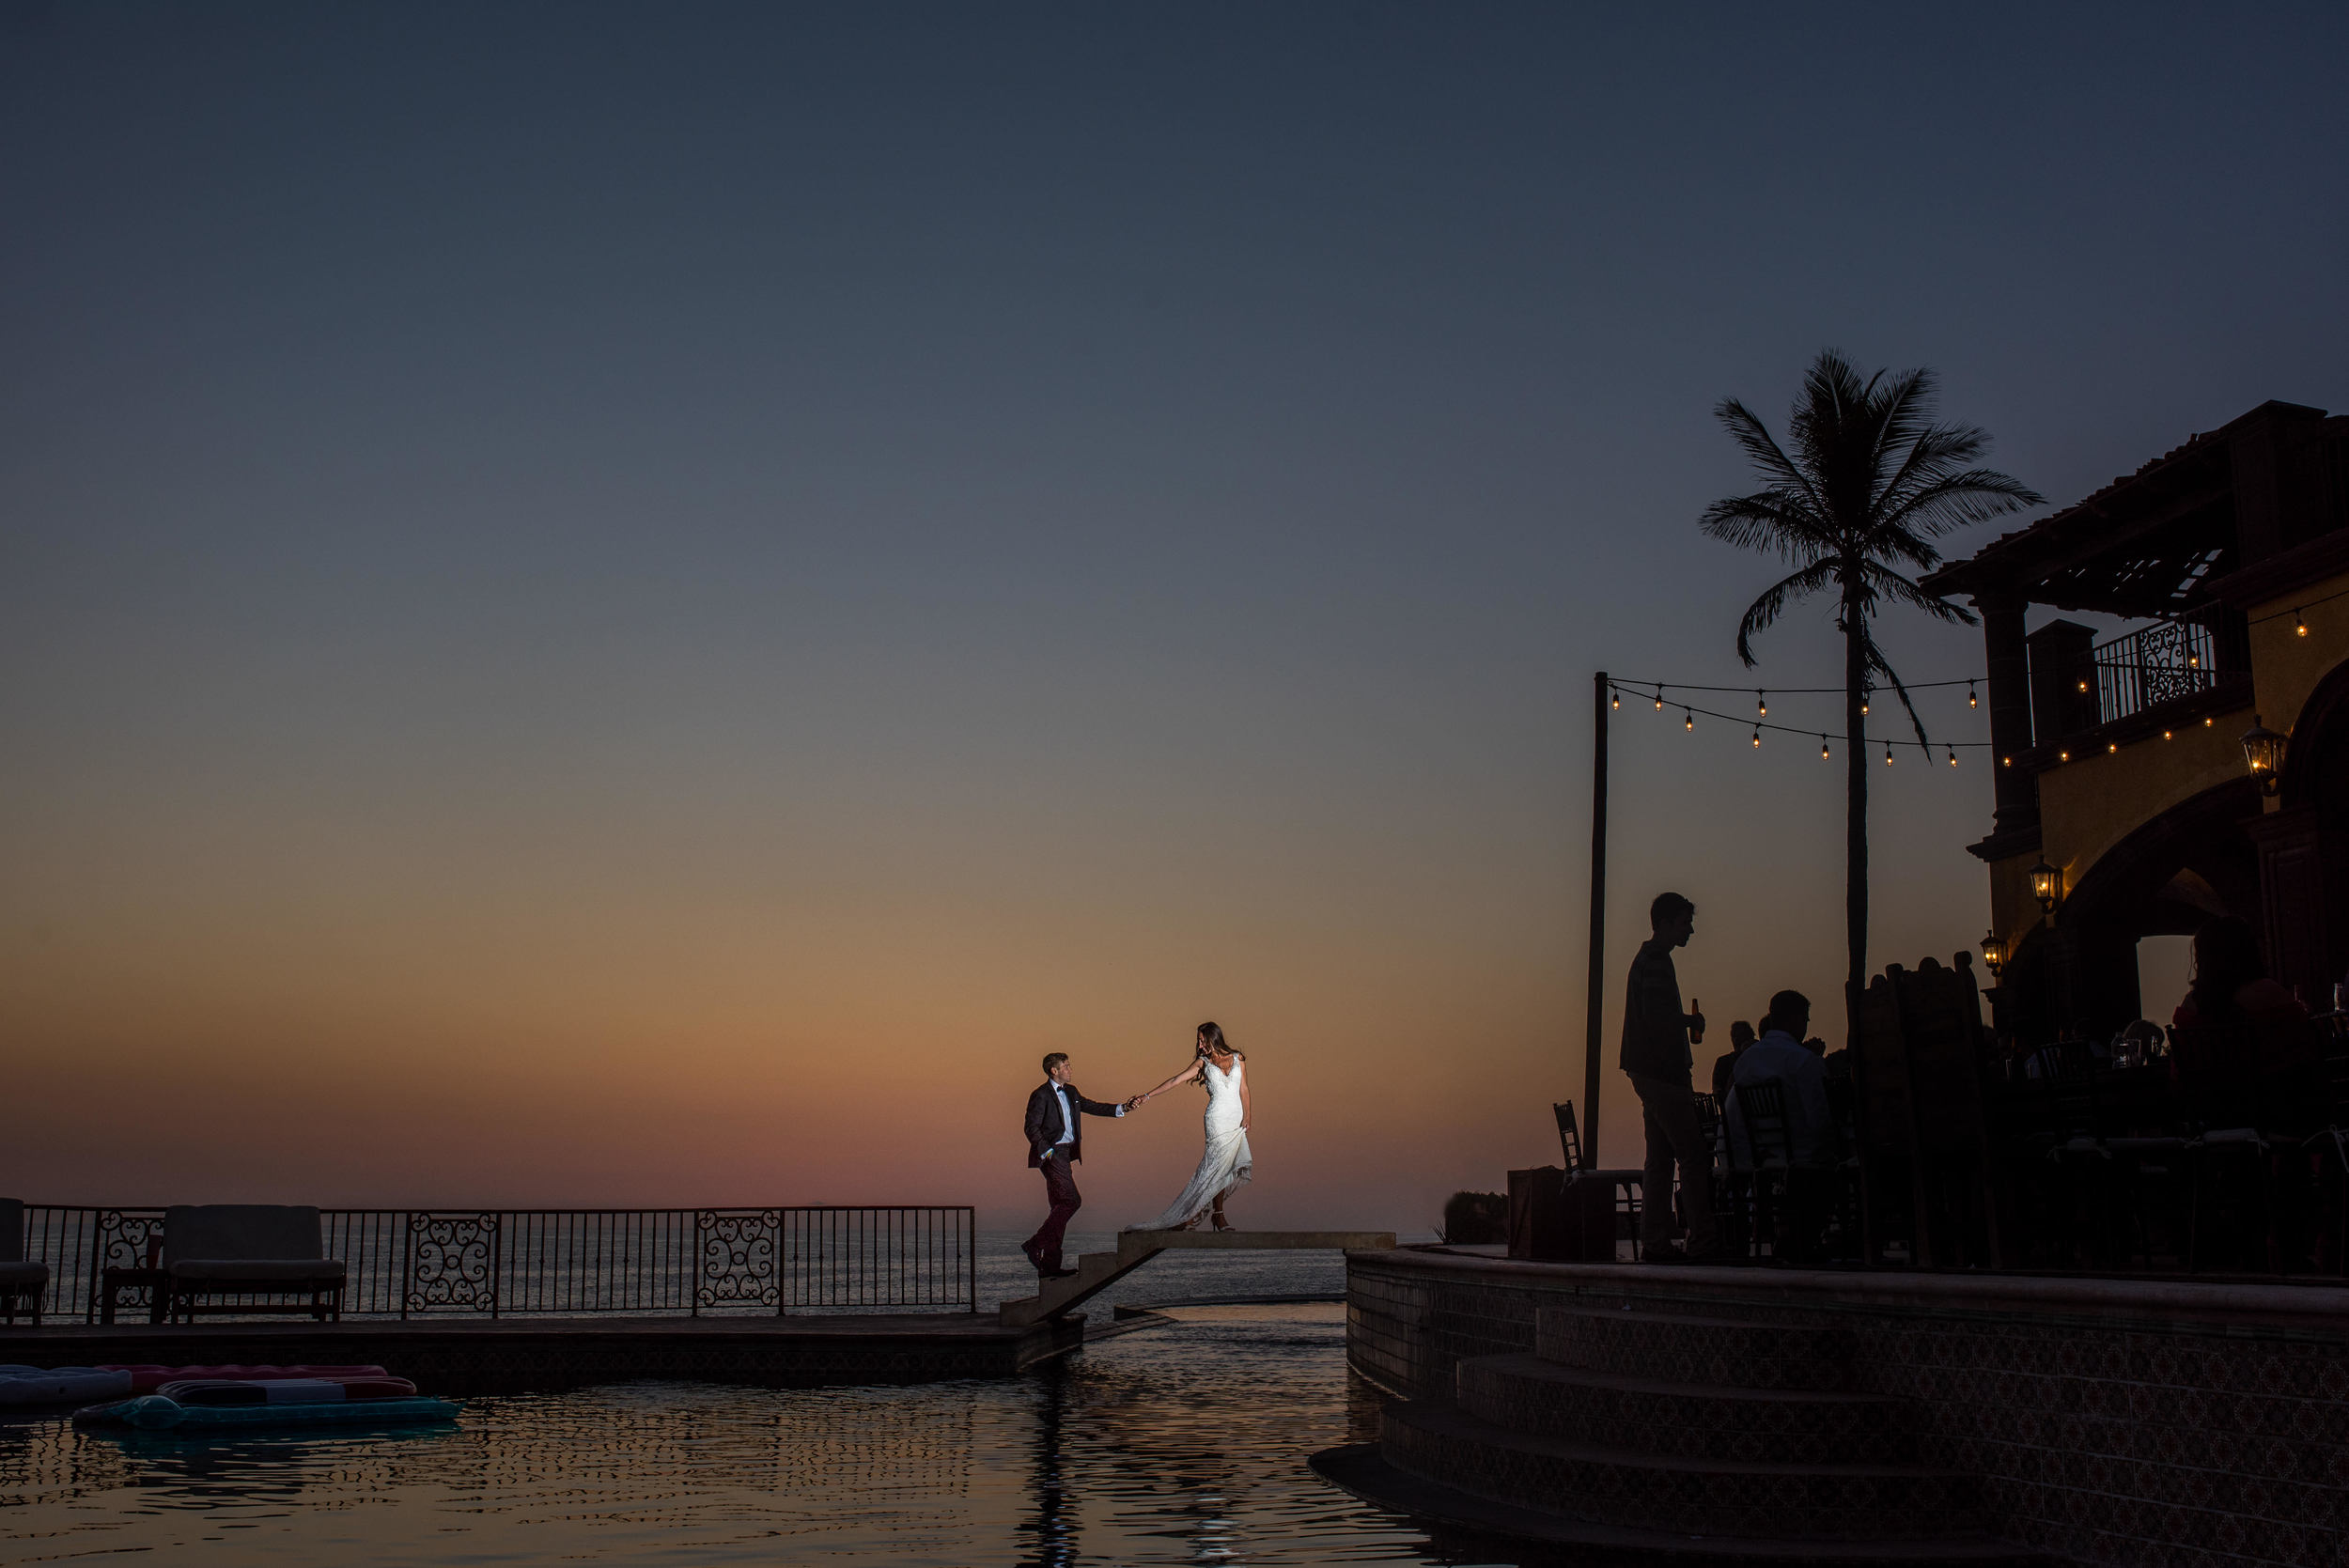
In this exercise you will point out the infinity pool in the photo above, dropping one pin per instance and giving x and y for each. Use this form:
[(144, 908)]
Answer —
[(1184, 1444)]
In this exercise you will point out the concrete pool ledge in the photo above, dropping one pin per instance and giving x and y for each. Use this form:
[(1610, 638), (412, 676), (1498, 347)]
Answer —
[(480, 1355)]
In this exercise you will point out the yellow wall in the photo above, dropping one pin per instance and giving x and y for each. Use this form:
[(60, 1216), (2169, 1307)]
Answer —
[(2286, 666), (2091, 804)]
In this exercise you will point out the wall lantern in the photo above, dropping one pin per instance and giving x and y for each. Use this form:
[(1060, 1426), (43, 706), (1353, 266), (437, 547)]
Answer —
[(2047, 885), (1994, 951), (2263, 750)]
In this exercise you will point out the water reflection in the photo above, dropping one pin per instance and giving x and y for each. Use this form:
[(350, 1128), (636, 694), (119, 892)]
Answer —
[(1181, 1445), (1052, 1532)]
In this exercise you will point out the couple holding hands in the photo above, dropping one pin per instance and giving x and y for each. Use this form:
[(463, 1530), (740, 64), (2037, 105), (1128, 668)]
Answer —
[(1055, 1143)]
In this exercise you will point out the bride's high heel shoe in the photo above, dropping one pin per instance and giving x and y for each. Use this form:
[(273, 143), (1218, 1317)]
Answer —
[(1222, 1223)]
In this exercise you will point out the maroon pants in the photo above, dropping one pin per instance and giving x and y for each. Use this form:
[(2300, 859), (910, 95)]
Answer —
[(1060, 1186)]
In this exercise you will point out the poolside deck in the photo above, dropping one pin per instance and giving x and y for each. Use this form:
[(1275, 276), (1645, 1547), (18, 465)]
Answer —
[(478, 1356)]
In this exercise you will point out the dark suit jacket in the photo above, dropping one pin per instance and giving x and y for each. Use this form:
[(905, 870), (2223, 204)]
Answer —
[(1044, 1121)]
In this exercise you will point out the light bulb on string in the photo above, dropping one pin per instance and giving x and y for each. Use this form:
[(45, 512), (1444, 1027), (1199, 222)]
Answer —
[(1952, 756), (2299, 624), (1762, 705), (1823, 748), (1863, 708), (1660, 699), (1688, 720), (1971, 701), (1888, 754), (1618, 699), (1757, 737)]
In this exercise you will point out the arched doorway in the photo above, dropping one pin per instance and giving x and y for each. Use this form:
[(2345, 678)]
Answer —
[(2304, 848), (2077, 974)]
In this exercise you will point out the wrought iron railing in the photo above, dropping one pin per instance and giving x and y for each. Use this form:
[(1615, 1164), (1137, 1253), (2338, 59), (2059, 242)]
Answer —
[(549, 1262), (2159, 664)]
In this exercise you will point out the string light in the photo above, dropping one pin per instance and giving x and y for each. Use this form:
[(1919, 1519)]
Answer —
[(1888, 754), (1660, 699), (1971, 701), (1757, 737), (1863, 708), (1688, 720), (2299, 624), (1823, 748), (1761, 704), (1952, 756), (1618, 699)]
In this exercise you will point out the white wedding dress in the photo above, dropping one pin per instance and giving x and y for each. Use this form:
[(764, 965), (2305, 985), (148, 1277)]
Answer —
[(1226, 1163)]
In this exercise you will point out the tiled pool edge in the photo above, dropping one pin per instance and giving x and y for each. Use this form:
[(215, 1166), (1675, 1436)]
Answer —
[(2113, 1422)]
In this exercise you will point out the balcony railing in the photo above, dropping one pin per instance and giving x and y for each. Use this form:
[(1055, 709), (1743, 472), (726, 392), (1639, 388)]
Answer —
[(2159, 664), (547, 1263)]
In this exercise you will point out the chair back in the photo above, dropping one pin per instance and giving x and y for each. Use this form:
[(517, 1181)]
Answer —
[(1713, 1130), (11, 1230), (1569, 1135), (243, 1231), (1762, 1111)]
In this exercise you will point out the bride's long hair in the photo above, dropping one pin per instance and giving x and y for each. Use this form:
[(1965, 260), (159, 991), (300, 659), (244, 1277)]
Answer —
[(1210, 1040)]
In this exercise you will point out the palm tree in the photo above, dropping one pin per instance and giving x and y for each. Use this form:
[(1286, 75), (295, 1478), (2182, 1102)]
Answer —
[(1870, 484)]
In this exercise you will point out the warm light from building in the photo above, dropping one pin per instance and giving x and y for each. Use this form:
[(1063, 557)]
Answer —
[(2264, 753)]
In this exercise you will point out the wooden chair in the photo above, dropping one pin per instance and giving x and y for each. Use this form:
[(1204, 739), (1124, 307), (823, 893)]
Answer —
[(1627, 1180)]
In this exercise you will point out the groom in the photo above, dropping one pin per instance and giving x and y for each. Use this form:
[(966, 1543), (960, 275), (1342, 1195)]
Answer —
[(1054, 1146)]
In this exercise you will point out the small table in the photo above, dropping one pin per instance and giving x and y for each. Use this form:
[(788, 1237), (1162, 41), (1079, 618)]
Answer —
[(154, 1281)]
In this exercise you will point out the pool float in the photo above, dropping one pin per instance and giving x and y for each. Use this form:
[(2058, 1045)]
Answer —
[(287, 1390), (62, 1384), (165, 1413), (147, 1378)]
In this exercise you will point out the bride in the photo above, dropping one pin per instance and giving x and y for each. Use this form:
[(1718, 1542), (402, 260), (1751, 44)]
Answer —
[(1226, 1166)]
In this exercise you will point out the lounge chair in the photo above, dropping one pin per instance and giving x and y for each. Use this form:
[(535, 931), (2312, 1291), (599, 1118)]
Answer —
[(21, 1285), (262, 1257)]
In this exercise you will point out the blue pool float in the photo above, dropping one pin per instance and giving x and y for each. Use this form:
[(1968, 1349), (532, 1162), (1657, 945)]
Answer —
[(159, 1413)]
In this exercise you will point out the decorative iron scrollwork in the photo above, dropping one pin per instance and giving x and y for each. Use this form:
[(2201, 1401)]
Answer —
[(738, 1250), (127, 1238), (452, 1262)]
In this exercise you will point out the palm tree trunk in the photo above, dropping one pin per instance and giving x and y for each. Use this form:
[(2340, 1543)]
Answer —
[(1856, 822)]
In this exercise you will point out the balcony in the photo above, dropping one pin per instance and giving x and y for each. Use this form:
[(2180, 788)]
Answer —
[(2169, 662)]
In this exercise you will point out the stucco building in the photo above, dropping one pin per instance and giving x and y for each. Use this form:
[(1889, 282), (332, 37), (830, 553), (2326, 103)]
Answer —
[(2125, 804)]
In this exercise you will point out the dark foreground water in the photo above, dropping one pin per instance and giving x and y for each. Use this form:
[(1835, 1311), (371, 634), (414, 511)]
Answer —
[(1175, 1445)]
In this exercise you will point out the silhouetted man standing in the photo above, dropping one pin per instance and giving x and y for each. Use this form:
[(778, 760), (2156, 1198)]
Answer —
[(1656, 1054), (1055, 1143)]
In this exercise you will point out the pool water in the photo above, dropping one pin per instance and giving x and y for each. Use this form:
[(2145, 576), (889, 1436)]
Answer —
[(1179, 1443)]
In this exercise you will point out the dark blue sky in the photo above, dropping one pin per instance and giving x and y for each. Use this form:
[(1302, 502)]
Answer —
[(1108, 510)]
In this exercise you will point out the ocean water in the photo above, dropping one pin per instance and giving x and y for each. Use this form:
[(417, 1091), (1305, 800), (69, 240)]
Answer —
[(1178, 1444)]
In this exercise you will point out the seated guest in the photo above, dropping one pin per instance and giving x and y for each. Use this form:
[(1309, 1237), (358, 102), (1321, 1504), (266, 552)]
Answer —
[(2231, 983), (1780, 1055), (1741, 1036)]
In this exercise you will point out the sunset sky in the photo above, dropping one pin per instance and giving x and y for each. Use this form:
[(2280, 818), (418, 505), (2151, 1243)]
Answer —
[(645, 605)]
